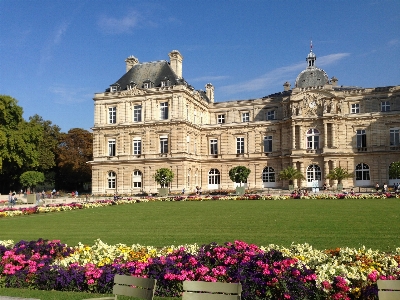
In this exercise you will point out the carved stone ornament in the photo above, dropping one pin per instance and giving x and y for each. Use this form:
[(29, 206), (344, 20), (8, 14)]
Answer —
[(133, 92), (310, 104)]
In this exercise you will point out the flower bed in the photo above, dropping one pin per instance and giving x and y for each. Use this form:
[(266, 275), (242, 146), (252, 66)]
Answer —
[(271, 272)]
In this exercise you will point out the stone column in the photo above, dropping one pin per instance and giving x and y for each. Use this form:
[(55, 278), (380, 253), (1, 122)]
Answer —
[(333, 135), (325, 134), (302, 172), (294, 137)]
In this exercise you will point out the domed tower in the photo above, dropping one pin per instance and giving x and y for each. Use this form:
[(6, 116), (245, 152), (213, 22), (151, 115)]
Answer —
[(311, 76)]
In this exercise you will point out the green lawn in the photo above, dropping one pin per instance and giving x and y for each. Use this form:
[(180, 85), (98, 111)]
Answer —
[(322, 223)]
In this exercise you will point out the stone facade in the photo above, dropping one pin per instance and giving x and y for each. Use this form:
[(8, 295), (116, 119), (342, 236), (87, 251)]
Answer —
[(152, 118)]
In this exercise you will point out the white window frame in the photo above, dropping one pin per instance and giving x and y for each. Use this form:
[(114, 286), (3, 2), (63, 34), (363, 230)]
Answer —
[(112, 149), (164, 144), (213, 146), (111, 180), (270, 115), (312, 137), (137, 113), (268, 175), (221, 119), (245, 117), (164, 111), (355, 108), (240, 145), (214, 177), (137, 179), (362, 172), (394, 137), (267, 144), (361, 139), (112, 115), (137, 146), (385, 106)]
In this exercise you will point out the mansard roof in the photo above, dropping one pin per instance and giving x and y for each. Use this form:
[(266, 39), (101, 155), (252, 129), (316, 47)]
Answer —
[(154, 72)]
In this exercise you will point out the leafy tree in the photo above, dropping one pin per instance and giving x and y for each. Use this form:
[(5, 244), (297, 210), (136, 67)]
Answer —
[(31, 178), (290, 174), (394, 170), (48, 146), (239, 174), (339, 174), (164, 176), (18, 143), (74, 150)]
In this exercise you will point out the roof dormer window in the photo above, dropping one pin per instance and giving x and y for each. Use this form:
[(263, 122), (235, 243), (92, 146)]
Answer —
[(131, 85), (147, 84), (114, 88), (165, 82)]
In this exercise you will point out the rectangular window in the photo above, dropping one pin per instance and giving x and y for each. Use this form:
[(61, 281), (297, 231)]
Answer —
[(355, 108), (163, 110), (267, 144), (361, 139), (137, 113), (111, 147), (240, 145), (137, 146), (245, 117), (163, 145), (221, 119), (385, 106), (214, 147), (394, 137), (112, 115), (270, 115)]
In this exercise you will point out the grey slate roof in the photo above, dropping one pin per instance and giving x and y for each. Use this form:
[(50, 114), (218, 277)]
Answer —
[(311, 77), (153, 71)]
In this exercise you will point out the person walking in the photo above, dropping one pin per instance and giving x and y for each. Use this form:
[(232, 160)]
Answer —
[(37, 198)]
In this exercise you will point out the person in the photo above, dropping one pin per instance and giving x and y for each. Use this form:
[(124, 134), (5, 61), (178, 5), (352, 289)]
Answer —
[(352, 191), (200, 191), (10, 200), (384, 190), (76, 193), (377, 187), (197, 190), (43, 194), (183, 191), (324, 187), (37, 198), (53, 193)]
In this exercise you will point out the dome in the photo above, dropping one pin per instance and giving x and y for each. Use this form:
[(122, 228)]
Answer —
[(312, 76)]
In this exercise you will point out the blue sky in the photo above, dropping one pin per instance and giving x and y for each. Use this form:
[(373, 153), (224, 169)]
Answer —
[(54, 55)]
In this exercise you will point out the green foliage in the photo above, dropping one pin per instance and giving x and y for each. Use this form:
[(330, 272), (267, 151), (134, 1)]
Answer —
[(394, 170), (290, 174), (18, 139), (239, 174), (339, 174), (164, 176), (31, 178)]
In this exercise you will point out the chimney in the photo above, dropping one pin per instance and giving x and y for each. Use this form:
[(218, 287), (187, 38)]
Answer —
[(130, 62), (210, 92), (176, 62), (286, 86), (334, 81)]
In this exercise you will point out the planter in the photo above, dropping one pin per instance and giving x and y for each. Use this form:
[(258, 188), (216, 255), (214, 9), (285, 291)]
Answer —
[(163, 192), (30, 198), (240, 190), (291, 187), (340, 187)]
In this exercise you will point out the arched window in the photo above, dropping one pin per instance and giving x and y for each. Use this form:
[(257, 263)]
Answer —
[(313, 173), (214, 177), (312, 138), (268, 174), (362, 172), (111, 179), (137, 179)]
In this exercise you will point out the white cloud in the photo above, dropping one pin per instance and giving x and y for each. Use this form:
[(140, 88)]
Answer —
[(208, 78), (119, 25), (394, 42), (279, 75), (69, 95)]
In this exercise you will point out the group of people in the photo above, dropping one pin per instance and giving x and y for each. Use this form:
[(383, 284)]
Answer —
[(198, 190), (12, 199), (396, 187)]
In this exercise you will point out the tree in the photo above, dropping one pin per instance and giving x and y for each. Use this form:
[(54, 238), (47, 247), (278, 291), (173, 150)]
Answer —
[(164, 176), (339, 174), (394, 170), (31, 178), (290, 174), (74, 150), (239, 174), (18, 143)]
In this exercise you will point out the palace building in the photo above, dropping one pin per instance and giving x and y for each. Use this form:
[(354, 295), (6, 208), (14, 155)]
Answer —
[(151, 118)]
